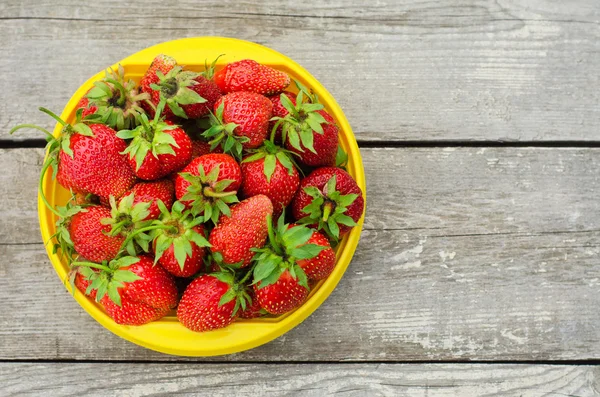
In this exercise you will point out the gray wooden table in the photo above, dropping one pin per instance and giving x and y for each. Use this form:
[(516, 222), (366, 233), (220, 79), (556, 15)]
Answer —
[(478, 270)]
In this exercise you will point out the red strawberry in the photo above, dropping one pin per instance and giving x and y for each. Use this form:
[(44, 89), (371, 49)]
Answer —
[(330, 200), (150, 192), (253, 310), (249, 75), (280, 111), (208, 184), (163, 64), (187, 94), (117, 102), (86, 158), (211, 302), (90, 236), (272, 173), (200, 148), (82, 283), (280, 283), (324, 144), (133, 290), (84, 103), (236, 235), (321, 266), (241, 121), (285, 295), (157, 148), (179, 241)]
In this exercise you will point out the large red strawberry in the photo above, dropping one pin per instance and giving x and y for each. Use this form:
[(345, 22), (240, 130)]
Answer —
[(241, 121), (179, 241), (87, 158), (157, 147), (208, 184), (189, 95), (330, 200), (133, 290), (150, 192), (249, 75), (211, 302), (270, 171), (116, 102), (279, 111), (235, 236), (280, 282), (91, 237)]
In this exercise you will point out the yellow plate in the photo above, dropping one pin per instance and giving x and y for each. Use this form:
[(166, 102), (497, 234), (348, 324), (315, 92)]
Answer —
[(168, 335)]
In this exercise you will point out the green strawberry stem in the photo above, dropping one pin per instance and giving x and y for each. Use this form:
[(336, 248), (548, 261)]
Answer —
[(55, 117), (145, 229), (40, 187), (49, 136), (209, 192), (92, 264), (327, 211)]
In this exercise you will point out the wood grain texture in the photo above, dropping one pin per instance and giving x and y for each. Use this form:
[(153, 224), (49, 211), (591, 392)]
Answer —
[(402, 70), (441, 380), (469, 253)]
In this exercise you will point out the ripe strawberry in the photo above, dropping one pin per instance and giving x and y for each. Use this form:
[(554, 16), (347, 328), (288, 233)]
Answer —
[(249, 75), (280, 111), (330, 200), (236, 235), (321, 266), (91, 237), (117, 102), (284, 295), (211, 302), (157, 148), (208, 184), (132, 289), (84, 103), (270, 171), (187, 94), (241, 121), (86, 158), (280, 283), (163, 64), (179, 241), (200, 148), (151, 192), (81, 282), (253, 309)]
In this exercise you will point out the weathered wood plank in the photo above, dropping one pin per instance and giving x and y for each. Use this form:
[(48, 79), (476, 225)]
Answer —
[(61, 379), (467, 254), (402, 70), (406, 296), (451, 191)]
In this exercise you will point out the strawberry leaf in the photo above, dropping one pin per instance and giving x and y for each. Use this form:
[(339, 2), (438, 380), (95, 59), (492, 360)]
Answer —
[(227, 297), (269, 166)]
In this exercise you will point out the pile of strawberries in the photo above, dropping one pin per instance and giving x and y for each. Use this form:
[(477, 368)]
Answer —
[(188, 192)]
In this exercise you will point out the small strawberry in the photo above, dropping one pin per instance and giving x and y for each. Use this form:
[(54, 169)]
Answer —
[(157, 147), (330, 200), (151, 192), (307, 129), (280, 282), (270, 171), (280, 111), (132, 289), (179, 241), (249, 75), (187, 94), (84, 103), (235, 236), (321, 266), (241, 121), (117, 102), (86, 158), (200, 148), (253, 309), (163, 64), (81, 281), (91, 237), (208, 184), (211, 301)]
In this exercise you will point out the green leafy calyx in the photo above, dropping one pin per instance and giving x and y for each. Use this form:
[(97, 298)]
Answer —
[(221, 134), (174, 89)]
